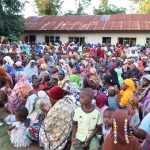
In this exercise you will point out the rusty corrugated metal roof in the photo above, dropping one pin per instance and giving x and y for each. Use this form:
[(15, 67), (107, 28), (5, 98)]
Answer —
[(122, 22)]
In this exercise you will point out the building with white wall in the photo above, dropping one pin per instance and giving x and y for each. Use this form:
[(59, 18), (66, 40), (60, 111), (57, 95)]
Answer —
[(124, 29)]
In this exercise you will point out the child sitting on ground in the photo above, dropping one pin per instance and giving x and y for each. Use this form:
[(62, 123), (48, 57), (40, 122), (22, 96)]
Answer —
[(112, 100), (18, 128), (86, 123)]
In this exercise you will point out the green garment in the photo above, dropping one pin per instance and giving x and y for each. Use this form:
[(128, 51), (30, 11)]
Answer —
[(75, 78)]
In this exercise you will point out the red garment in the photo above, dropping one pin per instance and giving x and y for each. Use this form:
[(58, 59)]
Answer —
[(100, 53), (56, 93)]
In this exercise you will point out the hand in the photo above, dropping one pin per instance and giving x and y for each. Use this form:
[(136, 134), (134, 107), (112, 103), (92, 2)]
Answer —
[(44, 107), (74, 142), (86, 143)]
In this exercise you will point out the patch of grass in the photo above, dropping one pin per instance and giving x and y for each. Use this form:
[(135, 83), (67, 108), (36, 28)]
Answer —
[(5, 143)]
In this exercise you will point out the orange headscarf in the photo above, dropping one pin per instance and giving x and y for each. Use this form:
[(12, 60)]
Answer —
[(4, 74)]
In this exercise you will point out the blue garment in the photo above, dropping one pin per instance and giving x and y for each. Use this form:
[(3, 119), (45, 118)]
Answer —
[(30, 72), (145, 124), (112, 102), (38, 48)]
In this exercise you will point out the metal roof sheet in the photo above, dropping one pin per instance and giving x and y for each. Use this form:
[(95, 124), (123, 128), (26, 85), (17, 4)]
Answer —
[(121, 22)]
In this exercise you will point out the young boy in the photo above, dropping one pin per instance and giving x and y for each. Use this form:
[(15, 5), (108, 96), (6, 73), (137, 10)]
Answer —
[(86, 123), (112, 100)]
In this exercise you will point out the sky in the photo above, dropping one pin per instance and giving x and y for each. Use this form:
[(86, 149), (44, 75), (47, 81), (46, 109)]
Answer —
[(30, 8)]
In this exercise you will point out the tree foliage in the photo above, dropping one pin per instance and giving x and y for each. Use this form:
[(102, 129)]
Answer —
[(11, 22), (49, 7), (105, 9), (143, 6), (81, 6)]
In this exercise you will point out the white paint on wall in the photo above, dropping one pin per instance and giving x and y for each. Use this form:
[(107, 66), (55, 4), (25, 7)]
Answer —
[(94, 37)]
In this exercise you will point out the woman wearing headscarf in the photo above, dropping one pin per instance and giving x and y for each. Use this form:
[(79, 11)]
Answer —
[(61, 78), (120, 137), (19, 93), (43, 70), (127, 91), (101, 101), (75, 77), (8, 61), (58, 122), (143, 93), (31, 70), (4, 74)]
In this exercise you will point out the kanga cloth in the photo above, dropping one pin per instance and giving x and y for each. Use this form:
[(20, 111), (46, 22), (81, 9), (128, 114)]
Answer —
[(18, 137), (57, 125)]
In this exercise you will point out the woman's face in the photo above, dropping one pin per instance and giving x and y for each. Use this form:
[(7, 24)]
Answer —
[(32, 64), (124, 87), (145, 83), (60, 77)]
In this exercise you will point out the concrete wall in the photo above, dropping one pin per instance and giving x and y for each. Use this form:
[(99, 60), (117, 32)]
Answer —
[(94, 37)]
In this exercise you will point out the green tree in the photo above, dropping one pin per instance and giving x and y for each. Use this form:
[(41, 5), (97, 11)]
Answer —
[(49, 7), (105, 9), (81, 6), (143, 6), (11, 22)]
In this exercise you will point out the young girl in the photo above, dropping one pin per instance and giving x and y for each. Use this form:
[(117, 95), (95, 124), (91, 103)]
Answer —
[(133, 112), (106, 127), (86, 123), (18, 128)]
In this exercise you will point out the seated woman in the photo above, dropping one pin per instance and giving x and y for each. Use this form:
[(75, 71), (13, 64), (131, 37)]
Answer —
[(120, 138), (127, 91), (143, 93), (57, 125), (19, 93)]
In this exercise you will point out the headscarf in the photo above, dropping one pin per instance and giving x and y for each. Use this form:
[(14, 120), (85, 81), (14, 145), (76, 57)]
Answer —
[(4, 74), (8, 60), (147, 77), (42, 98), (119, 138), (75, 78), (31, 71), (56, 93), (130, 84), (44, 67), (19, 93), (101, 100), (77, 68), (128, 93)]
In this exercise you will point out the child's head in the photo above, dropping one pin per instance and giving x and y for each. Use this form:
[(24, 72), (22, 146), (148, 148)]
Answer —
[(111, 93), (107, 116), (45, 78), (132, 105), (35, 82), (2, 82), (86, 96), (21, 114)]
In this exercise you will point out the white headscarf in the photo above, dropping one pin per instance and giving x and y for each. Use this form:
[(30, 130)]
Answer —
[(8, 60)]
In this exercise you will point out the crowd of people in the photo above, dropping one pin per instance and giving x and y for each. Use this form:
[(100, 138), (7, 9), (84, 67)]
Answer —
[(76, 97)]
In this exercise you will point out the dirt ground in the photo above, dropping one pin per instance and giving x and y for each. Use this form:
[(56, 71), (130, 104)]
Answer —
[(4, 138)]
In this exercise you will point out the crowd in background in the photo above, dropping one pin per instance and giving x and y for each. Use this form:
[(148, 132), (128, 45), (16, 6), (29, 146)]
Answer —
[(73, 96)]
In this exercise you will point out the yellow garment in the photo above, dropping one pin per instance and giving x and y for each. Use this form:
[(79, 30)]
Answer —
[(86, 123), (128, 93)]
